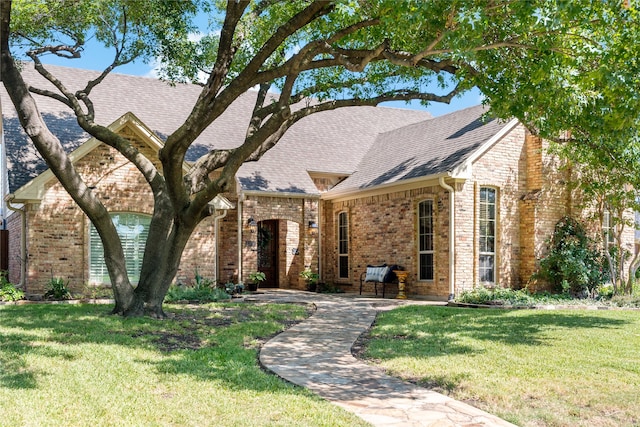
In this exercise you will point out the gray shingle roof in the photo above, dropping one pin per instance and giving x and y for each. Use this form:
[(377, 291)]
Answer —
[(330, 142), (160, 106), (333, 141), (427, 148)]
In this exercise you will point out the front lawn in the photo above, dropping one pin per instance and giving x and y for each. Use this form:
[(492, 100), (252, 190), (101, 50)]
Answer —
[(530, 367), (75, 365)]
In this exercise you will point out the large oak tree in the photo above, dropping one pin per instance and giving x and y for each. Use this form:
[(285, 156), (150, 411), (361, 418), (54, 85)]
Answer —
[(541, 61)]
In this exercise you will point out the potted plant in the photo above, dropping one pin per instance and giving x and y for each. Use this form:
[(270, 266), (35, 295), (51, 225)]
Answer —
[(310, 278), (255, 278)]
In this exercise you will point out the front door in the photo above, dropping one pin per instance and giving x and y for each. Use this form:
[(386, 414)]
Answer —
[(268, 252)]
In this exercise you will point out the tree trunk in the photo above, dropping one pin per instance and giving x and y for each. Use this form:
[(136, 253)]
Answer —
[(159, 267)]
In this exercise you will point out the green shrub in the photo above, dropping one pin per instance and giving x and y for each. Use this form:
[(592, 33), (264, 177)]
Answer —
[(233, 289), (507, 296), (57, 289), (605, 291), (195, 293), (496, 296), (8, 291), (202, 282), (329, 288), (573, 264), (627, 301)]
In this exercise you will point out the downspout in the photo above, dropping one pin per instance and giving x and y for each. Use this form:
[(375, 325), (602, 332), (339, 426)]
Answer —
[(240, 203), (4, 179), (452, 236), (216, 259), (23, 240), (319, 240)]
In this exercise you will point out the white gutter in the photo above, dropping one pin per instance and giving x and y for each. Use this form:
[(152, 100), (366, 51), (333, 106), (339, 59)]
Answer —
[(288, 194), (319, 241), (452, 236), (4, 179), (416, 182), (23, 239)]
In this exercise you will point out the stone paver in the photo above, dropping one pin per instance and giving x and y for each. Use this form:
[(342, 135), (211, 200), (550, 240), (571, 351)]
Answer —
[(316, 354)]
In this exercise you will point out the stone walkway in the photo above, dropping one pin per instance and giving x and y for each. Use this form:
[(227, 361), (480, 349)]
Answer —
[(316, 354)]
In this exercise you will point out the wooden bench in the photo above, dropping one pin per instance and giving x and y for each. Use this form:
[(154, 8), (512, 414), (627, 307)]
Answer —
[(379, 275)]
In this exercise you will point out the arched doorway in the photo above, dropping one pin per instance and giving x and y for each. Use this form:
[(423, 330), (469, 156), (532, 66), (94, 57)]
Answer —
[(268, 252)]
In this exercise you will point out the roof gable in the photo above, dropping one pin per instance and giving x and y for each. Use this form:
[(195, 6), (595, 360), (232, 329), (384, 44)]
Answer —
[(440, 146), (34, 189)]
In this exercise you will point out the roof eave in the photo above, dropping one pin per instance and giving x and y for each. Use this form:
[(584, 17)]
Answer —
[(385, 188), (279, 194)]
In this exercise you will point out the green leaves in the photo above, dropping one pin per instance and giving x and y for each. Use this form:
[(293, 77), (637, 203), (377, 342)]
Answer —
[(135, 29)]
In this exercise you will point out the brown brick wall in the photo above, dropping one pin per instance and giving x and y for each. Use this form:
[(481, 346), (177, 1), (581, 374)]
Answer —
[(531, 191), (298, 249), (58, 230), (383, 230), (504, 168), (14, 225)]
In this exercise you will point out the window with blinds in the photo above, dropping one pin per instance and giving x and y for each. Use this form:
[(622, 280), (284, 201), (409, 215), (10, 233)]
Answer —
[(133, 230)]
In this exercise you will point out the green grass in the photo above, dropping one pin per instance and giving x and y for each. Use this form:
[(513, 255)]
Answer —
[(530, 367), (75, 365)]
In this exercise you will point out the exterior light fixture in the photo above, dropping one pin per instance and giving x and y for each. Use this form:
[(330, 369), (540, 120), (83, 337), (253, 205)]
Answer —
[(252, 224), (313, 228)]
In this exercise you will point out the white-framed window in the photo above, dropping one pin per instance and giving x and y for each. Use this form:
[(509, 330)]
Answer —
[(133, 229), (608, 227), (343, 245), (487, 235), (425, 240)]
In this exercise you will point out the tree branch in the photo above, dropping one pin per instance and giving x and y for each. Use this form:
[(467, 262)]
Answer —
[(226, 50), (315, 10)]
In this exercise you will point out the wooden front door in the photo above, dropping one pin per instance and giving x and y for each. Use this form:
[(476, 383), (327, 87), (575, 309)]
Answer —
[(268, 252)]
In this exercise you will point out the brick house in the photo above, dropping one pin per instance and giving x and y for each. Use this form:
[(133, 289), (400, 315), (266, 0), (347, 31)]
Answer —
[(457, 200)]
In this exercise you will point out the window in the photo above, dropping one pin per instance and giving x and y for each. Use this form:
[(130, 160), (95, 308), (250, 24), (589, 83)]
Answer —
[(608, 227), (133, 230), (487, 235), (425, 240), (343, 246)]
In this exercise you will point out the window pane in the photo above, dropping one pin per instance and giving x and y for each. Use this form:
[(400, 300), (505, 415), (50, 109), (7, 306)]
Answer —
[(343, 246), (491, 245), (487, 234), (483, 244), (425, 240), (486, 268), (426, 266), (344, 267), (491, 214), (491, 195), (133, 230)]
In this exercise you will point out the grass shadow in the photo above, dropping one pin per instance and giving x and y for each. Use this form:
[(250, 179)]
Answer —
[(442, 331), (216, 344)]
